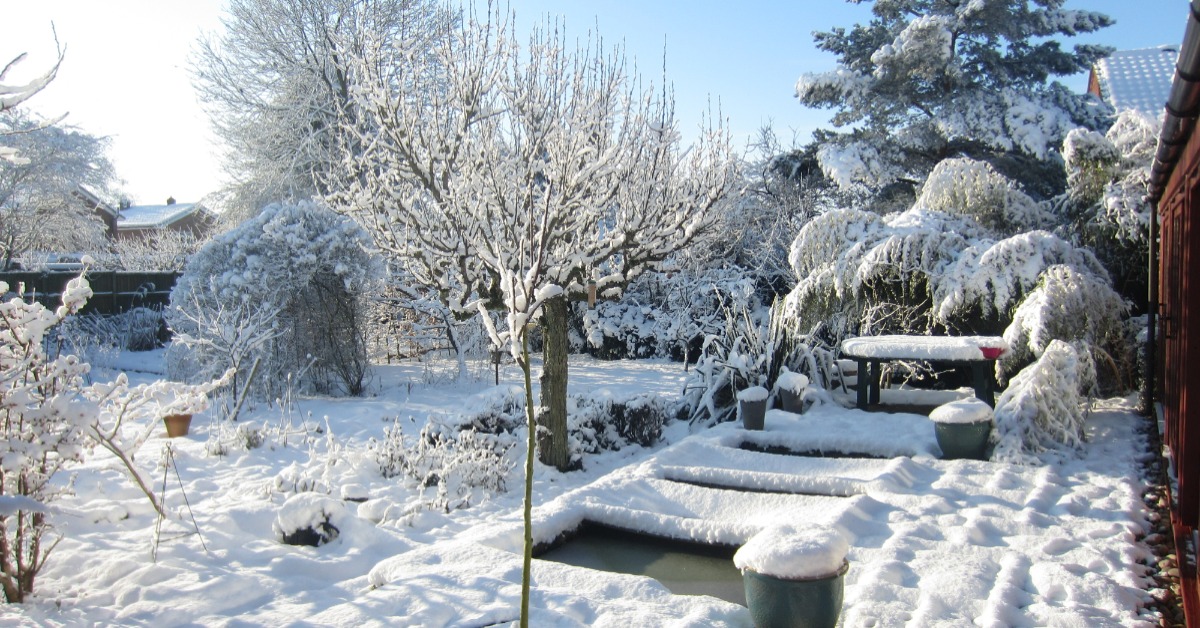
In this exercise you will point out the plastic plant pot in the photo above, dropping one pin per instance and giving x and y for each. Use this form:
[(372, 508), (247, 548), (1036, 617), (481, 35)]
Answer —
[(752, 406), (792, 401), (809, 603), (791, 391), (963, 440)]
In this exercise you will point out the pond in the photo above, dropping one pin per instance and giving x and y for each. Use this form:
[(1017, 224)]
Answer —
[(685, 568)]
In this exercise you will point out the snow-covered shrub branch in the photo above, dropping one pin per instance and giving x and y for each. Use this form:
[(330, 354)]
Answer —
[(1105, 204), (128, 415), (43, 419), (1073, 307), (460, 466), (1042, 409)]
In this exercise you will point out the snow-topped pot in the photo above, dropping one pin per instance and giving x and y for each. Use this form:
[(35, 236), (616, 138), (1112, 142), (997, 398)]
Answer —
[(794, 551), (754, 393), (963, 428), (795, 382), (752, 406), (971, 410), (793, 575), (791, 390)]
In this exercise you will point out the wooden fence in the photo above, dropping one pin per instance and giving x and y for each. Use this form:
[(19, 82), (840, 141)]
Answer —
[(113, 291)]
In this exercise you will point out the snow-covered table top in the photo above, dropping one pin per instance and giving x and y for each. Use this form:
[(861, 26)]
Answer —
[(922, 347)]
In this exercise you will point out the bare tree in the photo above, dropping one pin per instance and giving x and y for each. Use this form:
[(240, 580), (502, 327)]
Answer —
[(41, 206), (276, 81), (519, 181)]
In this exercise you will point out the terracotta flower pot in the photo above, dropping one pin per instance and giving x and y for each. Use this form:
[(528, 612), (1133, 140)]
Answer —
[(177, 424)]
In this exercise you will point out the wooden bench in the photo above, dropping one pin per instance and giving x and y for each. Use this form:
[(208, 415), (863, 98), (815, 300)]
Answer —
[(976, 353)]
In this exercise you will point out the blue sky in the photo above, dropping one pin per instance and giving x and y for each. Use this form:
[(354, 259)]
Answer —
[(126, 78)]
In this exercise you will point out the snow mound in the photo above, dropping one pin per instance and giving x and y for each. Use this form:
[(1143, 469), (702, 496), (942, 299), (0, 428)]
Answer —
[(794, 552), (970, 410)]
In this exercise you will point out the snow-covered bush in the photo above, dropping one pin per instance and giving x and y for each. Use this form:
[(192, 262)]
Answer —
[(286, 288), (974, 188), (601, 422), (665, 314), (461, 466), (1073, 307), (1105, 205), (597, 421), (309, 519), (296, 479), (43, 424), (1042, 409), (98, 338)]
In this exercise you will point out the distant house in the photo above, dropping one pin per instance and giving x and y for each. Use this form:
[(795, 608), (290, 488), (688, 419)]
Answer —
[(140, 220), (1135, 79)]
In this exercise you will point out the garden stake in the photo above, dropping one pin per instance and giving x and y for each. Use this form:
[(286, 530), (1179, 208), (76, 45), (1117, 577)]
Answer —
[(170, 453)]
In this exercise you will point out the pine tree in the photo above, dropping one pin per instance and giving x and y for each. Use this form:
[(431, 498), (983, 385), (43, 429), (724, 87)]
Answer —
[(930, 79)]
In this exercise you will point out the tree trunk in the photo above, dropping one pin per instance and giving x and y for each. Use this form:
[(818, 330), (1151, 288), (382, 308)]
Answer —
[(552, 437)]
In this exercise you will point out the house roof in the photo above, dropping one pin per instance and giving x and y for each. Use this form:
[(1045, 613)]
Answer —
[(155, 216), (1137, 79), (94, 201)]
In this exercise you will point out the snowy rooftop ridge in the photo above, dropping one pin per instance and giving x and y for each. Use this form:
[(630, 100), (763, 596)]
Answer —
[(154, 216), (1137, 79)]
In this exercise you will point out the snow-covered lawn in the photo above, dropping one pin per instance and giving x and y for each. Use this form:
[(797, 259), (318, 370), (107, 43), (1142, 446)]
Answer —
[(931, 542)]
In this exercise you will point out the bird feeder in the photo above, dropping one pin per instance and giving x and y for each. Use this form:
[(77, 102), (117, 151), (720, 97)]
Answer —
[(591, 289)]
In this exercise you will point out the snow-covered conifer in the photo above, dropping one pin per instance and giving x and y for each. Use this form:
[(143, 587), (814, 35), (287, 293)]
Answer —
[(923, 81)]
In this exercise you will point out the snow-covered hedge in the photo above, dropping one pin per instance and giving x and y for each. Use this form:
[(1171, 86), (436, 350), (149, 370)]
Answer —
[(286, 287), (597, 421), (665, 314)]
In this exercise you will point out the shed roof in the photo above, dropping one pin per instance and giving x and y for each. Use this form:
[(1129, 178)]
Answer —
[(1138, 79)]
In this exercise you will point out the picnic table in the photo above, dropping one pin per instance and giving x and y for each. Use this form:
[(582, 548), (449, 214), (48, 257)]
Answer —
[(976, 353)]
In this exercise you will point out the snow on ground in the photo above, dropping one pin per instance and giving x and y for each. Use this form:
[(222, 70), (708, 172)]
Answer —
[(932, 542)]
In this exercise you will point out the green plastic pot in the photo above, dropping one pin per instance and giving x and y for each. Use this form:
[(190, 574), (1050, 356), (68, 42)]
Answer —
[(781, 603), (963, 440)]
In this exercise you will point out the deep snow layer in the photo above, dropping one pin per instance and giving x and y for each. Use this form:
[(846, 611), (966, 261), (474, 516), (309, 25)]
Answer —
[(931, 542)]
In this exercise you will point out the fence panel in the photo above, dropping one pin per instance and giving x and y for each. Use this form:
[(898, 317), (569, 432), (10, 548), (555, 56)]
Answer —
[(113, 291)]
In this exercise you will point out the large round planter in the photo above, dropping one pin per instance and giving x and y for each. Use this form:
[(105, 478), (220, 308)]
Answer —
[(777, 602), (177, 424), (753, 413), (963, 440)]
